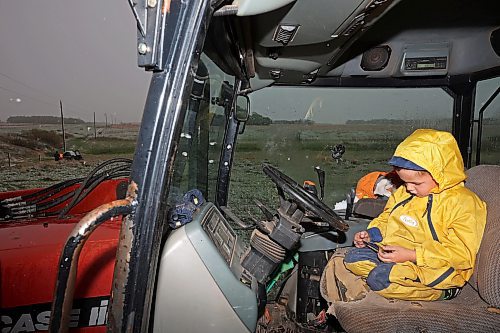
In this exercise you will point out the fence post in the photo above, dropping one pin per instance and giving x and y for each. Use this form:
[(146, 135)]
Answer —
[(8, 156)]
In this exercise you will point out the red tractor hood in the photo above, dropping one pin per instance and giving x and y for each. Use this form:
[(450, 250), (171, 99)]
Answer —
[(29, 256)]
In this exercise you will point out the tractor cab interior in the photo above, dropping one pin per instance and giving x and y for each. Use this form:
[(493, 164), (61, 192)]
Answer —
[(333, 88), (261, 118)]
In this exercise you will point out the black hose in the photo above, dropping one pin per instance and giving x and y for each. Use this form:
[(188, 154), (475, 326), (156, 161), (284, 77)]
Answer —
[(37, 203), (42, 204), (27, 201), (40, 209), (118, 172), (52, 188), (85, 182), (64, 185), (54, 202)]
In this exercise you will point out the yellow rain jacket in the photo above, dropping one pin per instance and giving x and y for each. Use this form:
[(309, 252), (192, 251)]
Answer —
[(445, 228)]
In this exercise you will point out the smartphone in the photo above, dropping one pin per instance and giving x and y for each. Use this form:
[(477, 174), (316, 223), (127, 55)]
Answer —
[(372, 246)]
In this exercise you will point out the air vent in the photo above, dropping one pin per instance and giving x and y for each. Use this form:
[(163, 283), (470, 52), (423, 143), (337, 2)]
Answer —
[(284, 33), (275, 74)]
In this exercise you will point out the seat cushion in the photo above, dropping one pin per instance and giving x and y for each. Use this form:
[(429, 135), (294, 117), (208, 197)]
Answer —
[(484, 180), (468, 313), (369, 207)]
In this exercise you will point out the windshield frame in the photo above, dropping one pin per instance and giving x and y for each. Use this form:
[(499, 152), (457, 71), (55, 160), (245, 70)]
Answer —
[(185, 27)]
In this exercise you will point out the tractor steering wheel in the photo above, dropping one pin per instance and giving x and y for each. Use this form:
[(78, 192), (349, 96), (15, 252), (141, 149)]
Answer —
[(303, 198)]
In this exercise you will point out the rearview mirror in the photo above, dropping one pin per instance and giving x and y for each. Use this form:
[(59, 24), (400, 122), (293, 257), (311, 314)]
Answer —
[(242, 110)]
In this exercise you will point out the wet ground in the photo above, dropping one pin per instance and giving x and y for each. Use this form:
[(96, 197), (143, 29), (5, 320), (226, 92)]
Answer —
[(39, 174)]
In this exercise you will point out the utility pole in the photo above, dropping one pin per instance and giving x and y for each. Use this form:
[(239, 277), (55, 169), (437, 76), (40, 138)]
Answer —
[(106, 117), (95, 129), (62, 125)]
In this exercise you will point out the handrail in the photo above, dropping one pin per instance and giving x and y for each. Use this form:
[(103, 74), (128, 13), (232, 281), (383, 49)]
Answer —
[(68, 262)]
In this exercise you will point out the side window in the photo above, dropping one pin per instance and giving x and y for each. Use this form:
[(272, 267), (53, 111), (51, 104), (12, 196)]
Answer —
[(197, 160), (297, 129), (489, 144)]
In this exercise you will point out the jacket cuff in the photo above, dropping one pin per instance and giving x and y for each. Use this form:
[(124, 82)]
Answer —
[(375, 234)]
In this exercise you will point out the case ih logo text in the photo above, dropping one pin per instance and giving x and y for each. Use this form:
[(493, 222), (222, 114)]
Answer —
[(87, 312)]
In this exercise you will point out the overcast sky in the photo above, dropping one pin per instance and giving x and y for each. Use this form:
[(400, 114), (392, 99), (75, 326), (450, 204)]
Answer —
[(84, 53)]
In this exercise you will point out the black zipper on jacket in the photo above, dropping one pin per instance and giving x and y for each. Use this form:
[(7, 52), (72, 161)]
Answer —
[(429, 219), (402, 203)]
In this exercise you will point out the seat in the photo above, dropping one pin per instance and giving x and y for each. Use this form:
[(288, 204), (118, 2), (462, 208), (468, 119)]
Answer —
[(369, 207), (470, 311)]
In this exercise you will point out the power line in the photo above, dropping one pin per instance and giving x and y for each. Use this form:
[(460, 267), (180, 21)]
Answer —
[(21, 83), (26, 96), (55, 103)]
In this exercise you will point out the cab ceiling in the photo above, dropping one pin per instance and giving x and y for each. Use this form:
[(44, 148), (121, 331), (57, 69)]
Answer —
[(330, 38)]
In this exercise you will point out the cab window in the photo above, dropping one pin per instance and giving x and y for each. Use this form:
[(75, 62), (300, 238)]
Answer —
[(346, 132), (489, 152)]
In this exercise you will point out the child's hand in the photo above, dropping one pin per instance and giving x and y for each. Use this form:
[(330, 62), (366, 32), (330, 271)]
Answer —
[(361, 237), (396, 254)]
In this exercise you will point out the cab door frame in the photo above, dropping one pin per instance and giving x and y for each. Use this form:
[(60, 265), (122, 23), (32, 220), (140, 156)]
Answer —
[(179, 28)]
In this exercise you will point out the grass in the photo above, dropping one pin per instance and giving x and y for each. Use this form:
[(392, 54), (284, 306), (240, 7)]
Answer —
[(296, 149), (103, 145), (33, 139)]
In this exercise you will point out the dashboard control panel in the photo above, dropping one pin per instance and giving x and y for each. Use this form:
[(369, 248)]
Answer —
[(221, 233)]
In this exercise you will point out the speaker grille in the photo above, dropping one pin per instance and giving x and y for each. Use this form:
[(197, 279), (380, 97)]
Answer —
[(376, 58)]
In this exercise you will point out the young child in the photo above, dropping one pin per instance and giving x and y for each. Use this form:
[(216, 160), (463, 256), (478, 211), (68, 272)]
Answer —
[(424, 244)]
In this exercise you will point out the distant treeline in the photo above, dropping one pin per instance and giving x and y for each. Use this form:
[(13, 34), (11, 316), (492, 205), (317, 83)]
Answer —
[(428, 122), (297, 121), (43, 120), (395, 121), (257, 119)]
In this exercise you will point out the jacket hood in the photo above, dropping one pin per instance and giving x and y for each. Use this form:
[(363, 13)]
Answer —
[(438, 153)]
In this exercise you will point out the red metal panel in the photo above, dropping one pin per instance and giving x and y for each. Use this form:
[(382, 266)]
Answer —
[(30, 250)]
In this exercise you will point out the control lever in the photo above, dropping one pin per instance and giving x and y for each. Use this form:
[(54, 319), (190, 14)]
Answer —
[(264, 226), (229, 213), (266, 211), (350, 203), (321, 179)]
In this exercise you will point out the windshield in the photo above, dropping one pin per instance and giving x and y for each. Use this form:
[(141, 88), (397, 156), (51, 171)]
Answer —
[(198, 155), (348, 133), (490, 129)]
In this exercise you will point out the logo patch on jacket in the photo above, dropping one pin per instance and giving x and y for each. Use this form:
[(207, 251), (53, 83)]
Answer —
[(409, 221)]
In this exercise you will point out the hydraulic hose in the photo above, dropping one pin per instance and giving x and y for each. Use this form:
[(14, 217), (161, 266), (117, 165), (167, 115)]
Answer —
[(87, 180)]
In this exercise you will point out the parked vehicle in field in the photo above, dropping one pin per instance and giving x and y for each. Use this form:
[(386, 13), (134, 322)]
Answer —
[(132, 248), (73, 155), (68, 155)]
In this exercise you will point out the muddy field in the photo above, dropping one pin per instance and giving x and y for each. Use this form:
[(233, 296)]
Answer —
[(25, 167), (295, 149)]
